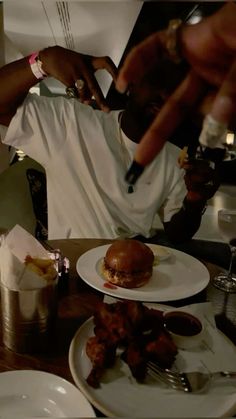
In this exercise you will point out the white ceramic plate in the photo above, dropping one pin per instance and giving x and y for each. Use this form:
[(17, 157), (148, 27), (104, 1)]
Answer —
[(178, 277), (121, 396), (29, 393)]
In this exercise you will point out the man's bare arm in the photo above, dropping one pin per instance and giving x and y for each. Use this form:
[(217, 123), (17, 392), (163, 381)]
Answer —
[(64, 65), (16, 79)]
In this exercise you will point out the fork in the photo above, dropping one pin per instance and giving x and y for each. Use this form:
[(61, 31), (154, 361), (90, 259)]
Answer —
[(189, 381)]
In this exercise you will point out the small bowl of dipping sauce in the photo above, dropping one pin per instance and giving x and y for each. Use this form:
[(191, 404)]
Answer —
[(161, 253), (185, 328)]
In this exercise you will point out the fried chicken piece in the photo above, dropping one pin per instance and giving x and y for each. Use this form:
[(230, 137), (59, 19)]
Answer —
[(122, 320), (133, 356), (135, 328), (152, 320), (161, 349), (102, 356), (134, 311), (114, 321)]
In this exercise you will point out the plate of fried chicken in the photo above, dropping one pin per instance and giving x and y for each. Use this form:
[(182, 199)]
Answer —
[(108, 357)]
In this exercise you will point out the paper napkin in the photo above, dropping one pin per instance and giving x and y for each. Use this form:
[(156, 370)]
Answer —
[(15, 246)]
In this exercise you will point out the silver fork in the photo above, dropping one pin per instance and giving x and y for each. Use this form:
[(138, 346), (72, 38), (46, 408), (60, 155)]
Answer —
[(189, 381)]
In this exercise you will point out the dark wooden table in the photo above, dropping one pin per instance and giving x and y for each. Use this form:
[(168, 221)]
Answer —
[(76, 303)]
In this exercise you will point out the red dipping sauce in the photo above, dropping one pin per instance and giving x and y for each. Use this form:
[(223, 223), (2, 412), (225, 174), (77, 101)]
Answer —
[(109, 285), (182, 323)]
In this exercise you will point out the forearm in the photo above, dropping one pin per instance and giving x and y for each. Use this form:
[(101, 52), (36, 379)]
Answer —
[(16, 79), (184, 224)]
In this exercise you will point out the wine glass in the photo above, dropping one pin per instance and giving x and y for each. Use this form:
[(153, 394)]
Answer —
[(227, 226)]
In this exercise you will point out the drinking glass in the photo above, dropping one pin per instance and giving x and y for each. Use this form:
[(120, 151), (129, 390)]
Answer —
[(227, 226)]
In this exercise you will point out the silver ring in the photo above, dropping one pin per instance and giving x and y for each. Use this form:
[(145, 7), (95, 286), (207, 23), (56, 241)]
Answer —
[(71, 92), (79, 84)]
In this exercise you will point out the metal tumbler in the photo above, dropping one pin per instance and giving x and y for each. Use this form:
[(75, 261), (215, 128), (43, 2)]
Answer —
[(28, 317)]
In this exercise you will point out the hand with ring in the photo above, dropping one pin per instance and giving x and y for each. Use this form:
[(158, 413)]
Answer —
[(76, 71), (201, 178), (74, 92), (209, 50)]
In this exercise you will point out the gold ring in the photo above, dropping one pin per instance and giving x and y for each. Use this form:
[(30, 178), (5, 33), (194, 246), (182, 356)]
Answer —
[(71, 92)]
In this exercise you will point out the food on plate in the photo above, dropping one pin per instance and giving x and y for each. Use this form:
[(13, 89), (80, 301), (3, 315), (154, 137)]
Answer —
[(133, 329), (42, 267), (128, 263)]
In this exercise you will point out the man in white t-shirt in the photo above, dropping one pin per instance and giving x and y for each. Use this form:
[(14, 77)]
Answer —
[(86, 152)]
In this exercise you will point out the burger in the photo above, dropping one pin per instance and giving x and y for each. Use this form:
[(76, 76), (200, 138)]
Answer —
[(128, 263)]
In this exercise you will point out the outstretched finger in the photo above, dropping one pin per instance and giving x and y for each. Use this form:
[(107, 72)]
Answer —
[(140, 60), (178, 105), (106, 63), (96, 92), (100, 63), (224, 105), (84, 93)]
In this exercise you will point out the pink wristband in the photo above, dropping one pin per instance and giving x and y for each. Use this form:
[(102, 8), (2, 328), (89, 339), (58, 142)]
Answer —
[(36, 66)]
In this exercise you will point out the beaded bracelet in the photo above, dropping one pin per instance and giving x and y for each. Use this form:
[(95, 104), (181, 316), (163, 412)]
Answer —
[(36, 66)]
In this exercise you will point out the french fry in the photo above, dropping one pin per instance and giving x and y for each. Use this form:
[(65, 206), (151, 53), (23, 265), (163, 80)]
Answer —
[(183, 156), (42, 267), (34, 268)]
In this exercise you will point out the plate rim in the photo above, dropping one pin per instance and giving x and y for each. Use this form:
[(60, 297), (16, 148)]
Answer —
[(113, 292), (94, 401), (23, 373)]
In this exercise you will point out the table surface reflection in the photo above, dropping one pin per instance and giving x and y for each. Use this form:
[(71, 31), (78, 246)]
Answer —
[(77, 301)]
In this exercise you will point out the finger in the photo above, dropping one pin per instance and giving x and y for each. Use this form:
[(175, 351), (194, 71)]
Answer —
[(81, 86), (100, 63), (106, 63), (224, 105), (178, 105), (84, 93), (96, 92), (139, 61)]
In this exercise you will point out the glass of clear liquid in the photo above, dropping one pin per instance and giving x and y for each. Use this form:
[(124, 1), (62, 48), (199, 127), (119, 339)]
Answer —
[(227, 226)]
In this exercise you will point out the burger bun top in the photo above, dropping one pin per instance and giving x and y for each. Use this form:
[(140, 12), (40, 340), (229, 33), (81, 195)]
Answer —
[(129, 255)]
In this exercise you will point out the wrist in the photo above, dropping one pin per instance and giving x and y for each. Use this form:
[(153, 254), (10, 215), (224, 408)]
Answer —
[(51, 58), (36, 66), (194, 206), (46, 56)]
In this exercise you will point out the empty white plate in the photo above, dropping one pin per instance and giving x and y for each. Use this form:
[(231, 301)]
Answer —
[(30, 393)]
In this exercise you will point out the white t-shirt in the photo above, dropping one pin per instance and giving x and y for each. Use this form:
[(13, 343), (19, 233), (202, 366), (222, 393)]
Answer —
[(80, 149)]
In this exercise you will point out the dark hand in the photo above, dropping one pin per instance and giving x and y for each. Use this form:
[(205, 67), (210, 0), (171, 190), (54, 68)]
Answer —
[(69, 66), (202, 180), (209, 48)]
